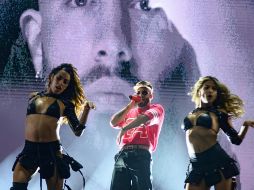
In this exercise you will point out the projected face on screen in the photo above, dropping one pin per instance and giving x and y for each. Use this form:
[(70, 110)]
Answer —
[(112, 43)]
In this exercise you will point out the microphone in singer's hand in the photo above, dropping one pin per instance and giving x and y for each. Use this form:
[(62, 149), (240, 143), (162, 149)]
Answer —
[(135, 98)]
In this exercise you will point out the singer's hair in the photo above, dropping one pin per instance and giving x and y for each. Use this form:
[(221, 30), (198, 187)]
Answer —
[(145, 84)]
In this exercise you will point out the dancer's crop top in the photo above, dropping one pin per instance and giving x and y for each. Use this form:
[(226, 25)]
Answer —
[(54, 110), (205, 120)]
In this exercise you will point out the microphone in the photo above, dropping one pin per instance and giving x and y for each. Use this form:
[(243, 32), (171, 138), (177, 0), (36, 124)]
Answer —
[(135, 98)]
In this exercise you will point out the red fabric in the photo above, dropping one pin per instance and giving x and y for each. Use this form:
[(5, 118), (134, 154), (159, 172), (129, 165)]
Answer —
[(147, 134)]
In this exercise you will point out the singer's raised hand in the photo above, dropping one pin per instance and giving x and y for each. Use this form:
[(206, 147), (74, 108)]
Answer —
[(135, 98)]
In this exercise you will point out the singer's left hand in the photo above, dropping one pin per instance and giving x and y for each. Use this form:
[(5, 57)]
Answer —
[(120, 135)]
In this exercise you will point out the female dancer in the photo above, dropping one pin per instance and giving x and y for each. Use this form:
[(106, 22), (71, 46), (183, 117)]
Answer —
[(63, 98), (209, 164)]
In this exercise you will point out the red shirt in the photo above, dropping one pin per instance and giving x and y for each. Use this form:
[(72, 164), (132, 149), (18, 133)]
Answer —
[(145, 134)]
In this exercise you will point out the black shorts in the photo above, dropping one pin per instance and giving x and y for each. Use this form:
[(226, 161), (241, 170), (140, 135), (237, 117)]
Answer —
[(46, 156), (207, 165)]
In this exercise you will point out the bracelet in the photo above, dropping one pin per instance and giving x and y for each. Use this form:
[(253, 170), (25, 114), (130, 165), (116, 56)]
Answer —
[(80, 127)]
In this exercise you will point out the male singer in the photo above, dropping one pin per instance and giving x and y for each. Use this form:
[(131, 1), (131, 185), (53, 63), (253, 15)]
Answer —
[(140, 123)]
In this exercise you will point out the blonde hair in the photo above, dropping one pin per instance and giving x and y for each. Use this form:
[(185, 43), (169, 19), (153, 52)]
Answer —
[(74, 92), (231, 103)]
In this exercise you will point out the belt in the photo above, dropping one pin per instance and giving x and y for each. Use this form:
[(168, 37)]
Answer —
[(135, 146)]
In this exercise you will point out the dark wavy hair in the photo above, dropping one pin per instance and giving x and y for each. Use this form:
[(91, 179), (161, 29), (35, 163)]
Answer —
[(74, 92)]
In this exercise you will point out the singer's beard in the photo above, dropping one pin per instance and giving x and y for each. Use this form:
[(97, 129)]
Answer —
[(144, 103)]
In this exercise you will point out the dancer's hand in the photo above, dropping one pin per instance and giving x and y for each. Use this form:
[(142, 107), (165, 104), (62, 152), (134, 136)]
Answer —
[(89, 105), (249, 123)]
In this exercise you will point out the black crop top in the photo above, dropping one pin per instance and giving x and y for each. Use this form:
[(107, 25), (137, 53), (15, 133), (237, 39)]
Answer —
[(54, 110), (205, 120)]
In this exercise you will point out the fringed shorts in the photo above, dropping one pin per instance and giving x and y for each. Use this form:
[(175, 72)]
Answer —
[(209, 165), (46, 156)]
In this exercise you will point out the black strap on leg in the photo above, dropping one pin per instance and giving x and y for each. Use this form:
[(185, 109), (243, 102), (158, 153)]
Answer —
[(19, 186), (40, 182), (75, 167), (67, 186), (39, 156), (234, 183), (84, 180)]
